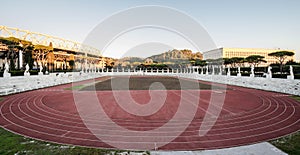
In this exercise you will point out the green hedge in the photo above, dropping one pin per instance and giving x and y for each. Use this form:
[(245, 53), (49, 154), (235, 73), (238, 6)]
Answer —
[(32, 72), (20, 73)]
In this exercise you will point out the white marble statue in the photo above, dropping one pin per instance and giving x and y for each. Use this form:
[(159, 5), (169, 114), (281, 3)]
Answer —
[(41, 68), (270, 70), (220, 72), (239, 72), (90, 68), (269, 74), (228, 72), (252, 69), (291, 76), (291, 71), (27, 68), (6, 68)]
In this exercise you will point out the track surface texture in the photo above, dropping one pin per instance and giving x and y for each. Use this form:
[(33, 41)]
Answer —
[(247, 116)]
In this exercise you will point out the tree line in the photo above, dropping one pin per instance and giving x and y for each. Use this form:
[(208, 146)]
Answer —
[(31, 52), (255, 60)]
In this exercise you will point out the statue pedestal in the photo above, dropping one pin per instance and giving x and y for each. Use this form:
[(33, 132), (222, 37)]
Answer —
[(290, 77), (41, 73), (26, 74), (239, 75), (6, 75)]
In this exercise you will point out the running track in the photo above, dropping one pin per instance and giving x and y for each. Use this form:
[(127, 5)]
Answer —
[(248, 116)]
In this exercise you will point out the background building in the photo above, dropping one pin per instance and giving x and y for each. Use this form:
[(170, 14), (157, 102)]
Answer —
[(244, 52), (21, 47)]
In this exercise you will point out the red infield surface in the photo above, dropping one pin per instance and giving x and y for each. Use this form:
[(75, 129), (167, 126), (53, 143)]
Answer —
[(247, 116)]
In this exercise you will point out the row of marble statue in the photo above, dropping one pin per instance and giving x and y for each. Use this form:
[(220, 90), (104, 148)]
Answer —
[(26, 72), (268, 75)]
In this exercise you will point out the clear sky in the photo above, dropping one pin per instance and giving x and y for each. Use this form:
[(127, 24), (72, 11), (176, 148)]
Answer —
[(231, 23)]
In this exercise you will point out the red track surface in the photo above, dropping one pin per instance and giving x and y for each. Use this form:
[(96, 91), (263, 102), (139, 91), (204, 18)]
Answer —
[(248, 116)]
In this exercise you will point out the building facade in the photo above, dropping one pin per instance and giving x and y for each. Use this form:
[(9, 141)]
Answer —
[(244, 52), (21, 47), (53, 60)]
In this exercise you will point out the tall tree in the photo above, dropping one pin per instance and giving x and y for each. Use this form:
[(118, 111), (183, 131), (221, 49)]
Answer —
[(281, 56), (13, 45), (227, 61), (40, 53), (236, 61), (214, 61), (27, 48), (201, 63), (255, 59)]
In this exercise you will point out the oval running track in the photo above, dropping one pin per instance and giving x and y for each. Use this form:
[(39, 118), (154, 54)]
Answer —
[(248, 116)]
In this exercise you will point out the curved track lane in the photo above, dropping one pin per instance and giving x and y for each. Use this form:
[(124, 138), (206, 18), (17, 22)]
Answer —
[(248, 116)]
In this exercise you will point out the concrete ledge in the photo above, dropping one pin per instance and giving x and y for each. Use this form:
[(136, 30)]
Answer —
[(255, 149)]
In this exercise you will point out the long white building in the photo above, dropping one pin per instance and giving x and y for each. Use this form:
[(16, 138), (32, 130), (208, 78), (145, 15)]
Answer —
[(244, 52)]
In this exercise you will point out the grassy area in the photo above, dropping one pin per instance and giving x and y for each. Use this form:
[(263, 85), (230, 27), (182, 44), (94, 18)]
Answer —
[(12, 144), (75, 87), (296, 98), (1, 98), (289, 144)]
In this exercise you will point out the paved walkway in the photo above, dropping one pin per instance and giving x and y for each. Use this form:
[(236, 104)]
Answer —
[(255, 149)]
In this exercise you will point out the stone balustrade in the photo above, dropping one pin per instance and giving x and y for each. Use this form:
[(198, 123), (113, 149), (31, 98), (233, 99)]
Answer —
[(9, 85)]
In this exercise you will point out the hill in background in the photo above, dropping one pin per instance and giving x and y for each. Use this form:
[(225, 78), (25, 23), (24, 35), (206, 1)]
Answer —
[(170, 57)]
